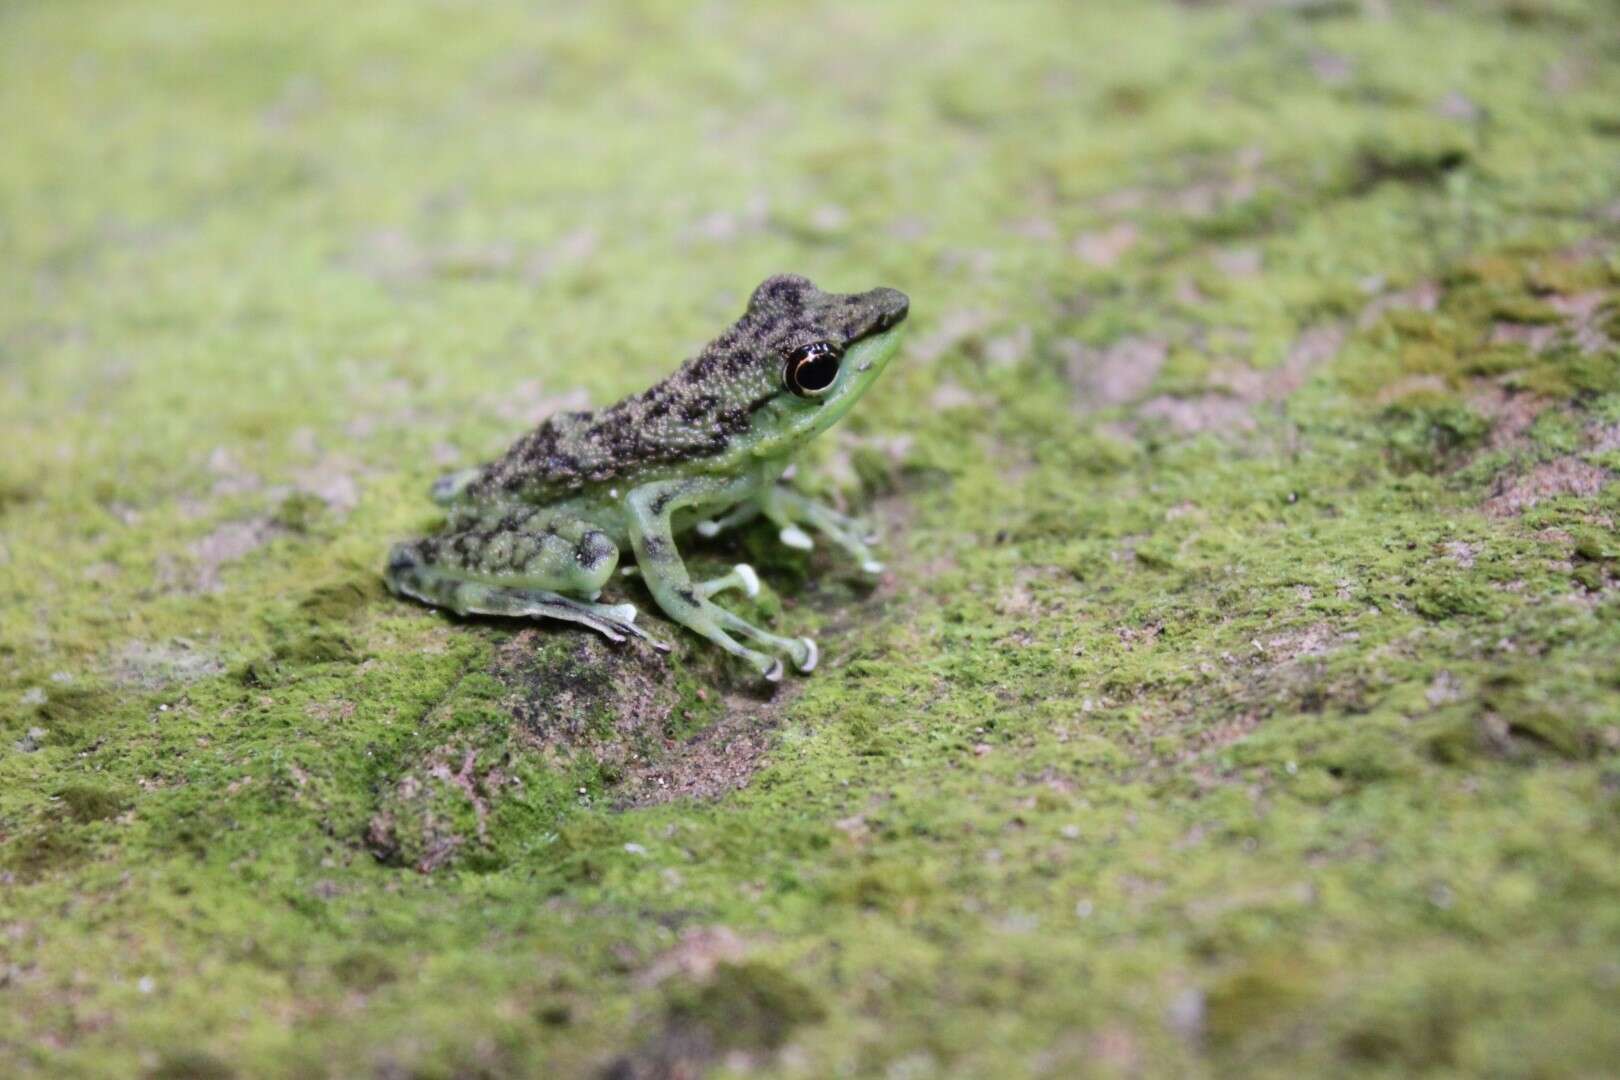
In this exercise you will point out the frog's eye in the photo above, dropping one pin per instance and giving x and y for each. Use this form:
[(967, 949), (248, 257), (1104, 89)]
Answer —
[(811, 369)]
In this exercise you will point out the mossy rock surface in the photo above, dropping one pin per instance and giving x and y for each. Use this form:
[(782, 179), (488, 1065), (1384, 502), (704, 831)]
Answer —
[(1241, 696)]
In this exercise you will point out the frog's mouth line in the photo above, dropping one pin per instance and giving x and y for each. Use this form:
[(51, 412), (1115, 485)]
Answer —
[(885, 323), (873, 350)]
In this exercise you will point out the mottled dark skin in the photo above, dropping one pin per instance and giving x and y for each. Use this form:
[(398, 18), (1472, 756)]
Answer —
[(540, 530), (701, 410)]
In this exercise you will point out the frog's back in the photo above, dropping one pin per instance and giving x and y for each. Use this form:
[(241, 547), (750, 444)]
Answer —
[(699, 417), (554, 459), (674, 422)]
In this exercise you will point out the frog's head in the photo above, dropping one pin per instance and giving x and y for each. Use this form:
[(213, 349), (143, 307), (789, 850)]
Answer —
[(816, 352)]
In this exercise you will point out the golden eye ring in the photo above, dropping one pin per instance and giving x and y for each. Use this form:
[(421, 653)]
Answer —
[(812, 369)]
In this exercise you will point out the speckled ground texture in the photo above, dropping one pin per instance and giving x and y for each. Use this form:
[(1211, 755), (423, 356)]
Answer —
[(1243, 692)]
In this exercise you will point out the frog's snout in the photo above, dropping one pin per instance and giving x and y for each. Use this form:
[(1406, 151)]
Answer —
[(892, 306)]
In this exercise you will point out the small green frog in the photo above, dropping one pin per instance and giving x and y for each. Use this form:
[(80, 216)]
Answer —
[(539, 531)]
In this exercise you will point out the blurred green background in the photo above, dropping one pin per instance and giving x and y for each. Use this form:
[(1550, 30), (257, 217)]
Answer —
[(1242, 696)]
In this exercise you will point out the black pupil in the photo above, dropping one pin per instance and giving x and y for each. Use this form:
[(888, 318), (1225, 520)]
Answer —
[(814, 369)]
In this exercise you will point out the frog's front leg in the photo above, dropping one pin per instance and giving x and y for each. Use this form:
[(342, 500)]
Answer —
[(786, 508), (742, 577), (519, 562), (650, 507)]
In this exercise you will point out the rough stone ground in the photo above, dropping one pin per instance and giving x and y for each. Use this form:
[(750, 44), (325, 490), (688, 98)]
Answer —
[(1243, 694)]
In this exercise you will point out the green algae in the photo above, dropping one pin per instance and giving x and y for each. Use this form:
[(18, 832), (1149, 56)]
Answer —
[(1252, 714)]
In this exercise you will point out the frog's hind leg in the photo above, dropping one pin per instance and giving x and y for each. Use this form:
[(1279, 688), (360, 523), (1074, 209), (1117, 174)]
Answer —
[(519, 564), (613, 621)]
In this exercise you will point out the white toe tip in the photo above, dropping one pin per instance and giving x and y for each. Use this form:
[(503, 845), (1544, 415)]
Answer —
[(707, 528), (749, 579), (812, 659), (774, 672), (629, 571), (872, 566), (795, 537)]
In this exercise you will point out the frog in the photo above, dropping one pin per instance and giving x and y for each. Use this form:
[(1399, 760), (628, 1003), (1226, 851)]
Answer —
[(539, 531)]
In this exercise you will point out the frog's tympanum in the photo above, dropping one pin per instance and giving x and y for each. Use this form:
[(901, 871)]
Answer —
[(539, 531)]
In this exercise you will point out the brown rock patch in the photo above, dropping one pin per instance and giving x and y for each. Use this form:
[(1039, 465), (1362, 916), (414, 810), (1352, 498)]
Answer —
[(1584, 314), (1114, 374), (416, 823), (1196, 415), (1604, 437), (1536, 337), (1242, 387), (579, 691), (630, 711), (1424, 296), (1513, 495), (151, 665), (699, 952), (1105, 247), (1511, 413), (718, 760), (228, 543)]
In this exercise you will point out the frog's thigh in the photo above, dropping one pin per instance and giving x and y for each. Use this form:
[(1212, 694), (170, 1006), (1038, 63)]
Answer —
[(518, 566), (519, 549)]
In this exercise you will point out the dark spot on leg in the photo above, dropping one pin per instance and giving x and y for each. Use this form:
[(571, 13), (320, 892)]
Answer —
[(592, 548), (403, 557)]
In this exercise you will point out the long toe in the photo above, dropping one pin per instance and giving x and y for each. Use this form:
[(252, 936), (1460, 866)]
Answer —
[(807, 656), (630, 629), (795, 537)]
